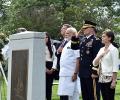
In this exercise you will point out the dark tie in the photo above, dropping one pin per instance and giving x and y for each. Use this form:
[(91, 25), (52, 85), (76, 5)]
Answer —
[(64, 43), (85, 38)]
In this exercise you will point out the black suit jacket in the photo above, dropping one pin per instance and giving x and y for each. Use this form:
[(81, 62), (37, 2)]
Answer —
[(89, 48)]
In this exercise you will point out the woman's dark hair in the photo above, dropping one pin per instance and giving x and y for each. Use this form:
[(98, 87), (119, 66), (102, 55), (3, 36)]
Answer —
[(48, 44), (110, 34)]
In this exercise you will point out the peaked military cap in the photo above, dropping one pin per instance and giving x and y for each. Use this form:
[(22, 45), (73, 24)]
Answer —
[(88, 24)]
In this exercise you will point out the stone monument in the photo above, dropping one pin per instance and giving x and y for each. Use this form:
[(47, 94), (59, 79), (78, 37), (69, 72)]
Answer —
[(26, 67)]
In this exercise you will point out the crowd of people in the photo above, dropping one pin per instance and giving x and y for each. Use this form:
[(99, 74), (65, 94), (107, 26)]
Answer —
[(87, 65)]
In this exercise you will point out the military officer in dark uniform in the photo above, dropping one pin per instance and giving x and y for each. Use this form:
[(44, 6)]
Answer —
[(89, 47)]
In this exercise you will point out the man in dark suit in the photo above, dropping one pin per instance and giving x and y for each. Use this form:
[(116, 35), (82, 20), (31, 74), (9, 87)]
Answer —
[(59, 51), (62, 43)]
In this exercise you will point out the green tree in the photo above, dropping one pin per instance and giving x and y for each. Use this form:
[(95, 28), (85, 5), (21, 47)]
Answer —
[(49, 15)]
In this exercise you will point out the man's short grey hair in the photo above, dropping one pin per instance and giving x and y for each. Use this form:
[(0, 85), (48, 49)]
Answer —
[(67, 25), (72, 29), (21, 29)]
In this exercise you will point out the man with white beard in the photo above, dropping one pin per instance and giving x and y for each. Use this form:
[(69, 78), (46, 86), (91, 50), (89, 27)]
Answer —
[(69, 84)]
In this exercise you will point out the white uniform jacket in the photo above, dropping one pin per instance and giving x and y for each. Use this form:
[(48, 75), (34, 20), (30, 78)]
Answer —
[(67, 68), (68, 60)]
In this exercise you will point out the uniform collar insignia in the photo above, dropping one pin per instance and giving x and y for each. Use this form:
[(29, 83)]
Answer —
[(89, 44)]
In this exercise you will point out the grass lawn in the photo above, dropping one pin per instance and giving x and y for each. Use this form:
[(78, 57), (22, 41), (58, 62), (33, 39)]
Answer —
[(117, 94), (55, 87)]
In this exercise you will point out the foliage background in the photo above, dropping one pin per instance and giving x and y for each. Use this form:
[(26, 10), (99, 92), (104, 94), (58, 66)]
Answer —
[(49, 15)]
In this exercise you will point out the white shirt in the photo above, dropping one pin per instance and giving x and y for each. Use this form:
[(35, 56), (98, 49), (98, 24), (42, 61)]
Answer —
[(5, 51), (68, 60), (54, 58), (47, 54), (110, 61)]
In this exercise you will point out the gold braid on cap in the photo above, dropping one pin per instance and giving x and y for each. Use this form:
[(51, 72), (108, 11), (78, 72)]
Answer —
[(85, 26), (88, 26)]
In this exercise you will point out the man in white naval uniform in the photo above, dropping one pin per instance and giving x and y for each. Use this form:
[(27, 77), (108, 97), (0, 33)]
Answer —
[(69, 84)]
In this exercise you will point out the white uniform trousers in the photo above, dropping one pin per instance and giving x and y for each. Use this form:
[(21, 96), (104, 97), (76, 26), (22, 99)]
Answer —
[(69, 88)]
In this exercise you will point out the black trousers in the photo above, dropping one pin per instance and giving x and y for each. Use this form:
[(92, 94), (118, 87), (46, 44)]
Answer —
[(63, 97), (107, 92), (87, 88), (49, 82)]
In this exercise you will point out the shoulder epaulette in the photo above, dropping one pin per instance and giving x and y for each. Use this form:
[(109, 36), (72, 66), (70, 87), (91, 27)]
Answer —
[(97, 38)]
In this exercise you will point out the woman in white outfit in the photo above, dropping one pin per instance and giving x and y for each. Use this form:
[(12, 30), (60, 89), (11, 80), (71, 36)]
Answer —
[(107, 58), (51, 62), (69, 83)]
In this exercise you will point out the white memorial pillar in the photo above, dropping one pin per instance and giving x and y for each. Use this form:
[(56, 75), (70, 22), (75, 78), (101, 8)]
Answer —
[(26, 69)]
